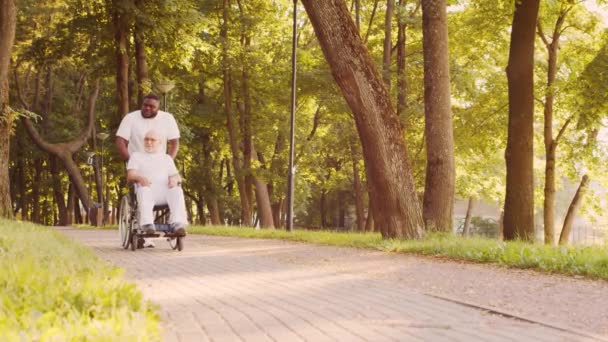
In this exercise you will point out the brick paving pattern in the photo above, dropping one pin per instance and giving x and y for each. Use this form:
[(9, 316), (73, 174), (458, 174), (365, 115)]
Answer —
[(228, 289)]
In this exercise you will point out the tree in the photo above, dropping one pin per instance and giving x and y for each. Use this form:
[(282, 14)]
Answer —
[(397, 211), (519, 199), (439, 184), (8, 13)]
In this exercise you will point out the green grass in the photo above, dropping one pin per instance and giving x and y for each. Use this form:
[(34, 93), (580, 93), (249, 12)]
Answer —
[(590, 261), (52, 289)]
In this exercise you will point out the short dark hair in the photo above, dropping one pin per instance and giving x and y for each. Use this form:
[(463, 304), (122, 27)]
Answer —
[(152, 96)]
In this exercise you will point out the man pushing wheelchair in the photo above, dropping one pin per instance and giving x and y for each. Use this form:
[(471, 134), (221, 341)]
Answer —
[(148, 140)]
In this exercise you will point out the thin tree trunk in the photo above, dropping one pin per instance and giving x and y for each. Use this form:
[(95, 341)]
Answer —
[(467, 219), (36, 191), (323, 209), (358, 15), (438, 207), (371, 21), (401, 76), (58, 193), (121, 45), (519, 199), (575, 204), (236, 162), (8, 15), (71, 204), (358, 189), (385, 153), (550, 142), (369, 221), (388, 44)]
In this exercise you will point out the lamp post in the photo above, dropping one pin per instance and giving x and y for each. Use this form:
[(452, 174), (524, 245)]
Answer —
[(164, 87), (103, 136), (291, 171)]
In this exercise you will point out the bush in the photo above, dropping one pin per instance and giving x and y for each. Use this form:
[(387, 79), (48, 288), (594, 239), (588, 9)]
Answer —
[(54, 289)]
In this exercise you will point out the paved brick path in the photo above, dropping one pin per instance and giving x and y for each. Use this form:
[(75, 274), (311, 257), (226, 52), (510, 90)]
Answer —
[(227, 289)]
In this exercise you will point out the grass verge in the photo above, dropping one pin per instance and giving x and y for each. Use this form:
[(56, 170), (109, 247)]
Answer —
[(54, 289), (589, 261)]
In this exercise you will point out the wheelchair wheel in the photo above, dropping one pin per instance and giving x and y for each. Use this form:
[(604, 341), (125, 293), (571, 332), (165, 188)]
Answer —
[(124, 222)]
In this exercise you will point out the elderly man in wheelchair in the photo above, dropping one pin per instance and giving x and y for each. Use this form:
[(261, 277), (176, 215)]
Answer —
[(157, 182)]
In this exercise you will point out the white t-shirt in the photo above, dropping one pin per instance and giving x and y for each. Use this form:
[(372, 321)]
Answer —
[(134, 127), (157, 167)]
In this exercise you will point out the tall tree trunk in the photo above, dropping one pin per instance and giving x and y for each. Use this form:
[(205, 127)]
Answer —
[(572, 210), (467, 219), (8, 14), (388, 45), (236, 162), (121, 45), (438, 207), (384, 150), (143, 81), (519, 199), (550, 142)]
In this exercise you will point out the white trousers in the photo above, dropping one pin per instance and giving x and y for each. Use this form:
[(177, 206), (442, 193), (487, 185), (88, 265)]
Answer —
[(148, 197)]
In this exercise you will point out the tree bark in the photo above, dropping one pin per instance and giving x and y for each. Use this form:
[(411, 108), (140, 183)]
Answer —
[(438, 207), (519, 199), (384, 150), (572, 210), (467, 219), (8, 19)]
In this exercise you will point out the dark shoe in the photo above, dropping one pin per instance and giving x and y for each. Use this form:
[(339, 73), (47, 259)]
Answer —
[(148, 228), (179, 228)]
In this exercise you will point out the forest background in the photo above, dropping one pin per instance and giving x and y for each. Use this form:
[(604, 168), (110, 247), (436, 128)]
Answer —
[(78, 66)]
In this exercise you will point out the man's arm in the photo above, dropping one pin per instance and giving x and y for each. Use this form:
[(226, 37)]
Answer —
[(122, 147), (134, 177), (172, 147)]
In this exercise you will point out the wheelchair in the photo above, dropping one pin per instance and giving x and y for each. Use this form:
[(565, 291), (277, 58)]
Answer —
[(131, 234)]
